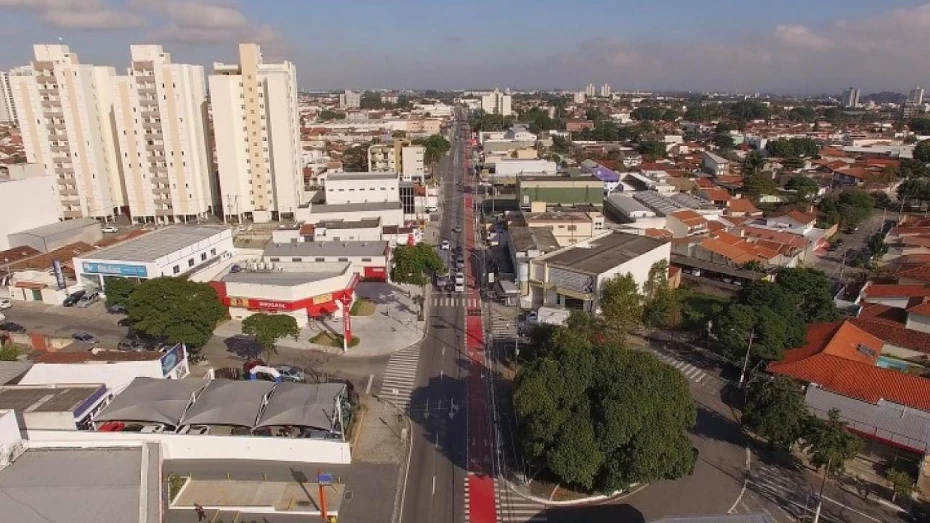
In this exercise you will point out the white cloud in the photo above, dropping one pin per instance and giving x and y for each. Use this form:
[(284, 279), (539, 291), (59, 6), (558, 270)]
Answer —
[(800, 36), (207, 22), (77, 14)]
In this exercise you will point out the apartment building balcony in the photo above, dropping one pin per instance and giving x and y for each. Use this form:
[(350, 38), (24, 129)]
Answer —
[(73, 214), (46, 78), (157, 146), (148, 101), (67, 190), (59, 148), (148, 112), (64, 170), (161, 189), (164, 212), (147, 88), (54, 103), (151, 124)]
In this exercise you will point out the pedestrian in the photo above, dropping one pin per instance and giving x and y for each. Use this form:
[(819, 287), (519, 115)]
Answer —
[(201, 513)]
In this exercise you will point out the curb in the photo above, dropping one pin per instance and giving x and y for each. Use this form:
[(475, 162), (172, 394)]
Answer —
[(404, 466)]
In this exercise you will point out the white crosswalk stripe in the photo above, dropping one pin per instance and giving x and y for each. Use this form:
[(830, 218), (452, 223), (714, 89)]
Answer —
[(512, 508), (455, 300), (400, 375), (691, 372)]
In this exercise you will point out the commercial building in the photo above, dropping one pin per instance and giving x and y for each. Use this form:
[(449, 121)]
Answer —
[(172, 251), (399, 156), (29, 200), (7, 108), (566, 190), (58, 234), (63, 108), (625, 209), (350, 100), (511, 167), (526, 244), (256, 123), (357, 196), (568, 225), (572, 277), (497, 103), (159, 109), (50, 406)]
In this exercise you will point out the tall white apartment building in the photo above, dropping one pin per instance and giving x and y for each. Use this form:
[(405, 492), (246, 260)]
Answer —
[(497, 103), (590, 91), (159, 109), (256, 125), (400, 156), (605, 91), (63, 108), (7, 109), (350, 100), (579, 97), (850, 98)]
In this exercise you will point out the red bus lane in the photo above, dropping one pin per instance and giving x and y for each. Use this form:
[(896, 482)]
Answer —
[(480, 500)]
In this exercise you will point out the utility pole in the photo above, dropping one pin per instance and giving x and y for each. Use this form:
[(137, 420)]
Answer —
[(822, 485), (742, 374)]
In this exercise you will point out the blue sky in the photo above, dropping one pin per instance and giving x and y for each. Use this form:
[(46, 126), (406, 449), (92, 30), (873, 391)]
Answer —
[(778, 46)]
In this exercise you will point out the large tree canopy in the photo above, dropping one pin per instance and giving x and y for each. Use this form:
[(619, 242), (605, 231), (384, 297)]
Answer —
[(775, 410), (415, 263), (269, 328), (621, 307), (175, 310), (603, 417), (436, 146)]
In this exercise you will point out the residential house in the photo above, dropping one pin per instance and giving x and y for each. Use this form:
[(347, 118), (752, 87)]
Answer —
[(714, 165)]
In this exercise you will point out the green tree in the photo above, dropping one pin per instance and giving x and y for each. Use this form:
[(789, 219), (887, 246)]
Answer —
[(792, 163), (757, 185), (268, 329), (670, 115), (436, 146), (652, 149), (749, 110), (753, 163), (175, 310), (810, 291), (829, 444), (804, 187), (802, 114), (415, 263), (118, 291), (355, 158), (914, 189), (922, 151), (327, 115), (9, 352), (602, 417), (877, 245), (902, 483), (850, 208), (647, 114), (661, 304), (919, 125), (775, 410), (621, 307), (724, 141)]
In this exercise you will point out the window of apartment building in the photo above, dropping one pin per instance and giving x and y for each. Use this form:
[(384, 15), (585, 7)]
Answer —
[(319, 259), (274, 259), (343, 259), (212, 252), (366, 259), (203, 256), (298, 260), (176, 269), (573, 227)]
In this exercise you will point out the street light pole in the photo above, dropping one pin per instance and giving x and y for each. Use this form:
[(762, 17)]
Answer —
[(822, 485), (742, 374)]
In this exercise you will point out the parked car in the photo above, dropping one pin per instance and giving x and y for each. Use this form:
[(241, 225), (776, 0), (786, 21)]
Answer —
[(131, 345), (195, 430), (444, 245), (112, 426), (531, 318), (87, 300), (456, 228), (5, 303), (84, 337), (292, 373), (117, 309), (110, 229), (459, 250), (73, 298), (460, 264), (152, 429), (9, 326), (442, 282)]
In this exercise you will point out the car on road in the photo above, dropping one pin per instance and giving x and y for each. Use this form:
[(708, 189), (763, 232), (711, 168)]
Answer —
[(460, 278), (459, 287), (5, 303), (460, 264), (9, 326), (459, 250), (110, 229), (87, 300), (444, 245), (442, 282), (73, 298), (456, 228), (117, 309), (84, 337)]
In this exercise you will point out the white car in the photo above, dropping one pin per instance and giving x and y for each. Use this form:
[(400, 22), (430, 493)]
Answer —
[(110, 228), (444, 245), (459, 278), (459, 287), (2, 317), (5, 303)]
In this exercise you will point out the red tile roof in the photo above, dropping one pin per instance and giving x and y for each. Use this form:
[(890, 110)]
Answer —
[(823, 360), (915, 272), (743, 206), (662, 234), (718, 194), (922, 309), (896, 291)]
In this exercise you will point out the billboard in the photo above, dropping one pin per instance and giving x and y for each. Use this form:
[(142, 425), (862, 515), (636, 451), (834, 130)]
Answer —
[(115, 269), (59, 275), (171, 358)]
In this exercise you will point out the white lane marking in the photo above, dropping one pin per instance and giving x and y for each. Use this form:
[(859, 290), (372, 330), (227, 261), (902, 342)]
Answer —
[(368, 387), (434, 485)]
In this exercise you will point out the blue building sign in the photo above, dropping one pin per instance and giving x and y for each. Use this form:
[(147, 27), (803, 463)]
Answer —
[(114, 269), (59, 274)]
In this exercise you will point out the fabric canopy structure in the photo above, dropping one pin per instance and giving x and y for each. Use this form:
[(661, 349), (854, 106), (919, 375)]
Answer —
[(302, 405), (152, 400), (229, 402)]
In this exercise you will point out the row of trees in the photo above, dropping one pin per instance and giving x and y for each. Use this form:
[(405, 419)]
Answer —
[(415, 264), (849, 208), (792, 148)]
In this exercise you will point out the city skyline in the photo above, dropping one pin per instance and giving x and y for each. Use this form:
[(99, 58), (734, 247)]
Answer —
[(724, 45)]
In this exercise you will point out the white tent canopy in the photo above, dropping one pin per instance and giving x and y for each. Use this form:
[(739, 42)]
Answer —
[(303, 405), (153, 400), (228, 402)]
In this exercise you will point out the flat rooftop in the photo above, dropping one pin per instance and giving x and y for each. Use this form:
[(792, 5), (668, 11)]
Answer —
[(354, 207), (370, 223), (325, 249), (32, 398), (361, 176), (280, 278), (76, 486), (157, 244), (59, 227), (605, 253)]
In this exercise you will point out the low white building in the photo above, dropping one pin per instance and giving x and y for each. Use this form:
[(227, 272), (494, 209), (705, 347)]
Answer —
[(714, 164), (371, 187), (177, 250), (513, 167), (572, 277), (29, 200)]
